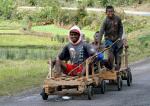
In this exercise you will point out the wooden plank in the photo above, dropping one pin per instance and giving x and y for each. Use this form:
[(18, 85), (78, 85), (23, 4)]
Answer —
[(123, 60), (49, 90), (123, 69), (93, 71), (108, 75), (49, 69), (63, 82), (126, 57), (87, 69)]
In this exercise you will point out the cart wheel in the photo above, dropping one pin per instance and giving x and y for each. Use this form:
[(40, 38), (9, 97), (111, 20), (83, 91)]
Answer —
[(103, 86), (90, 92), (129, 77), (119, 83), (59, 88), (44, 95)]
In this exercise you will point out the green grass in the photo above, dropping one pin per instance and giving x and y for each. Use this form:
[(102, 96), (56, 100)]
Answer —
[(139, 47), (60, 31), (52, 29), (16, 76), (16, 53), (26, 40), (9, 23), (9, 31)]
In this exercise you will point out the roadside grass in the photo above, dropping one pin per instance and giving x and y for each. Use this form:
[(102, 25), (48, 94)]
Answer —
[(16, 76), (139, 47), (139, 33), (60, 31), (22, 40)]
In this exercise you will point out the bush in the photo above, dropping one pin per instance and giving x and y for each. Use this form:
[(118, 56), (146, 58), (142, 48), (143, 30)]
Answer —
[(81, 14), (7, 8)]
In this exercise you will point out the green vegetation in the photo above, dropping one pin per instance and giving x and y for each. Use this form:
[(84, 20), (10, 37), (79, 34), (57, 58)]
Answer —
[(22, 40), (28, 52), (139, 48), (19, 46), (7, 9), (55, 30), (3, 30), (16, 76), (73, 3), (51, 28), (11, 24)]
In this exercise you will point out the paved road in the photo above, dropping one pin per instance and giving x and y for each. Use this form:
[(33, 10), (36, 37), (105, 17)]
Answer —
[(136, 95)]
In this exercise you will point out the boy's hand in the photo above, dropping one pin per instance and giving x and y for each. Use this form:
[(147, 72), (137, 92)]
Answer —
[(125, 43)]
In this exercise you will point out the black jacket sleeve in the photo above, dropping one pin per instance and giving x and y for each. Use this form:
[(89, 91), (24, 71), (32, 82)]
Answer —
[(102, 30), (64, 55), (90, 49), (120, 28)]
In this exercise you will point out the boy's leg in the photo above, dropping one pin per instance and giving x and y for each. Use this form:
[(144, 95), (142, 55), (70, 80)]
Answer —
[(60, 67), (118, 54), (106, 64), (111, 58)]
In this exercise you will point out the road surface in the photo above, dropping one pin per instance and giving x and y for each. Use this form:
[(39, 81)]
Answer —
[(129, 12), (136, 95)]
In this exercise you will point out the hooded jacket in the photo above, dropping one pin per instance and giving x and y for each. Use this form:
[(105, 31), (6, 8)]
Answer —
[(76, 52)]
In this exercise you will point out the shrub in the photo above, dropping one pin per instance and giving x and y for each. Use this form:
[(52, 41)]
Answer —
[(7, 8)]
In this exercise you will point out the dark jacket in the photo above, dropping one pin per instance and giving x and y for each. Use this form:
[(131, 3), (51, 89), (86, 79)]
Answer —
[(112, 28), (77, 53)]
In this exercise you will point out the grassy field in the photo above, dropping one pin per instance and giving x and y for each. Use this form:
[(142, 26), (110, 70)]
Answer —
[(9, 31), (20, 47), (60, 31), (139, 48), (19, 75), (16, 76), (26, 40)]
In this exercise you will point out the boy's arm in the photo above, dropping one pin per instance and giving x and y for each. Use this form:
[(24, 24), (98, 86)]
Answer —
[(64, 55), (90, 49), (120, 27), (102, 31)]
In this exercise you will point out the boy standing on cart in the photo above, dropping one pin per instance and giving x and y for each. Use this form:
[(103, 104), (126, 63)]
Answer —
[(112, 29)]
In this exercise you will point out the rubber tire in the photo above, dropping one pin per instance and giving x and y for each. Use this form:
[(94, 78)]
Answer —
[(90, 92), (44, 95), (129, 77), (59, 88), (103, 86), (119, 83)]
